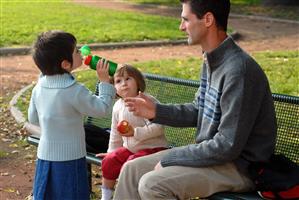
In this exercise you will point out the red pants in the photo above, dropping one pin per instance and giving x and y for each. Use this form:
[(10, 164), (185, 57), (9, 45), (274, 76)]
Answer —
[(113, 162)]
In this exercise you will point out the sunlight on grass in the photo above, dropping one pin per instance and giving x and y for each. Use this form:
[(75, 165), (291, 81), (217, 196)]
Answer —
[(23, 20)]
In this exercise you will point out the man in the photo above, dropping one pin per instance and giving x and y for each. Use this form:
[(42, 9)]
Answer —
[(233, 111)]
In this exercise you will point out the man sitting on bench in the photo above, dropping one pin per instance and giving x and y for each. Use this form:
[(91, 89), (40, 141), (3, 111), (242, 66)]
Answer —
[(233, 111)]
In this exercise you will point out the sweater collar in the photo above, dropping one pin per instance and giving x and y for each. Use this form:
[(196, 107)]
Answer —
[(57, 81), (223, 51)]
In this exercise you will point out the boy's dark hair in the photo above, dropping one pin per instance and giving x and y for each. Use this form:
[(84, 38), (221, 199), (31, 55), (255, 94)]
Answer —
[(50, 49), (133, 72), (219, 8)]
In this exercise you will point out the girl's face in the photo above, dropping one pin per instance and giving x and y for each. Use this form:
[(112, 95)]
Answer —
[(126, 86)]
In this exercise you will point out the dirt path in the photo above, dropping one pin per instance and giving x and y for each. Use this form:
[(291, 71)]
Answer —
[(16, 173)]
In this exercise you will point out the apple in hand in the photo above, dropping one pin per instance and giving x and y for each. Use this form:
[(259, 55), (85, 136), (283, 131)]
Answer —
[(123, 127)]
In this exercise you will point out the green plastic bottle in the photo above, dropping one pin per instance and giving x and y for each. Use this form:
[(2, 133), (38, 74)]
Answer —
[(92, 60)]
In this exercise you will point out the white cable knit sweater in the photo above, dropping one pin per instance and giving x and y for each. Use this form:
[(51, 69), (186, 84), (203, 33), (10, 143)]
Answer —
[(146, 134)]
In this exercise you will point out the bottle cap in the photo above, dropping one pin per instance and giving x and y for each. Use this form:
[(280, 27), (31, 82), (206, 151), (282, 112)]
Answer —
[(85, 50), (87, 60)]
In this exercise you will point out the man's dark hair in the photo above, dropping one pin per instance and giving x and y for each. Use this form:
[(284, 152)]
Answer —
[(219, 8), (50, 49)]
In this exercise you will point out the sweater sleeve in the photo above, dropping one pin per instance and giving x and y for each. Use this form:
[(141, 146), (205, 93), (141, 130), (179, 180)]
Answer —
[(115, 140), (32, 112), (95, 106), (177, 115), (240, 104)]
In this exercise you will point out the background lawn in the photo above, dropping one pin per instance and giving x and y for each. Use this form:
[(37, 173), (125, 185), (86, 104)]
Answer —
[(21, 21)]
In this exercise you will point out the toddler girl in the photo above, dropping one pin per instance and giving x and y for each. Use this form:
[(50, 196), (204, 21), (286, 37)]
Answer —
[(142, 138)]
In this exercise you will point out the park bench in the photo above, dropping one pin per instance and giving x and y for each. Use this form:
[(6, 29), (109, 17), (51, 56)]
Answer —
[(173, 90)]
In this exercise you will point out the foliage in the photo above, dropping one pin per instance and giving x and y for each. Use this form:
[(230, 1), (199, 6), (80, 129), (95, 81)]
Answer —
[(21, 21)]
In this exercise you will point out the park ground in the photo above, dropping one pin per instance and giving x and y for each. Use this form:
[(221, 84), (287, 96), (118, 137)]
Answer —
[(17, 158)]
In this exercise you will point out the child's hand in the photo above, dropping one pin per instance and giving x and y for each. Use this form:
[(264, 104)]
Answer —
[(101, 155), (130, 132), (102, 70)]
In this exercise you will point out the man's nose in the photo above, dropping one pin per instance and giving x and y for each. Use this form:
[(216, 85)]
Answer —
[(182, 26)]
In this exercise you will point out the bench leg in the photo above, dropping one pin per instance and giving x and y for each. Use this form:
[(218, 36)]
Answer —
[(89, 175)]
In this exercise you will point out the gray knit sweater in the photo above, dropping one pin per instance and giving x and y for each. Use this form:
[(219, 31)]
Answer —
[(233, 111)]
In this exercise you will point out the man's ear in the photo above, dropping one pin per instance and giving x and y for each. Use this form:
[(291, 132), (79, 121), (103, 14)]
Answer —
[(66, 65), (209, 19)]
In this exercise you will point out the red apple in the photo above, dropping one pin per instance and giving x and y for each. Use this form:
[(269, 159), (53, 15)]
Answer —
[(123, 127)]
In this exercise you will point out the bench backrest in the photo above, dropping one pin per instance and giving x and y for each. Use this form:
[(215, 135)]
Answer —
[(173, 90)]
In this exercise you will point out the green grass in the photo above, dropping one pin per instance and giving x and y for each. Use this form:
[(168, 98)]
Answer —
[(158, 2), (245, 7), (282, 70), (21, 21), (23, 102), (177, 2)]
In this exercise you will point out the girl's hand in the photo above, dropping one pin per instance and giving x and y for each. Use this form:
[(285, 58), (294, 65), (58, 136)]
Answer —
[(101, 155), (102, 70), (130, 132)]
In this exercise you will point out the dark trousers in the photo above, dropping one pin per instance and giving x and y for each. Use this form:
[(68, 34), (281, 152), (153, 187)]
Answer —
[(97, 140)]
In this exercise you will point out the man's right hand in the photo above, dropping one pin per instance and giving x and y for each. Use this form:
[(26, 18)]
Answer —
[(142, 106)]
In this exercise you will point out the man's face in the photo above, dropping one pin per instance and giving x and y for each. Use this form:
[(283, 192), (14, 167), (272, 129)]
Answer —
[(192, 26)]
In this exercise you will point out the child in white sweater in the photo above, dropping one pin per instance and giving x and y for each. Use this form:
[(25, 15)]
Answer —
[(142, 137), (58, 105)]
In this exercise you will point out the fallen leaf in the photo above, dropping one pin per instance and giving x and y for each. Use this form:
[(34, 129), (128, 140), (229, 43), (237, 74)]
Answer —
[(10, 190)]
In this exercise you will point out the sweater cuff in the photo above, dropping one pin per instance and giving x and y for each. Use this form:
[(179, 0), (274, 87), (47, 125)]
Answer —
[(162, 112), (106, 88), (169, 159)]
